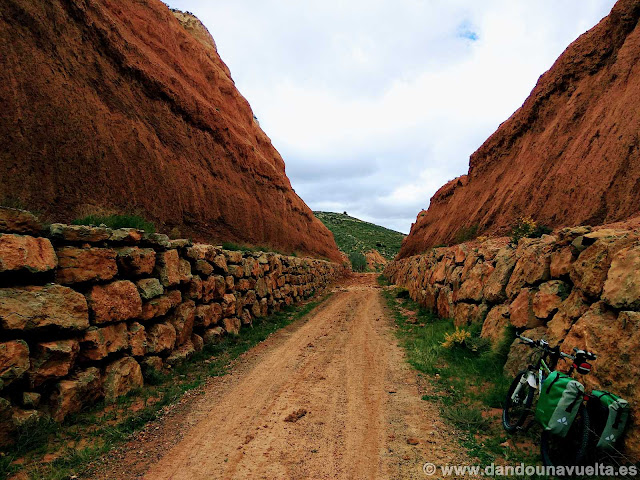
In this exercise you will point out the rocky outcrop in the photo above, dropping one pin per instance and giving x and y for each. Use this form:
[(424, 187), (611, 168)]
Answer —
[(569, 156), (578, 288), (375, 261), (132, 303), (126, 107)]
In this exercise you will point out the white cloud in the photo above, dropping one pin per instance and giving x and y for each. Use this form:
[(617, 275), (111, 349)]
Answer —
[(374, 105)]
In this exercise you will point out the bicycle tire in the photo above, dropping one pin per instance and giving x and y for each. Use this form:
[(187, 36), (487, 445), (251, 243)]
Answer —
[(570, 450), (511, 425)]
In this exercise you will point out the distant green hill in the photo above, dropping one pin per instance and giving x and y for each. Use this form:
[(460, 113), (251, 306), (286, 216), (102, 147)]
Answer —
[(353, 235)]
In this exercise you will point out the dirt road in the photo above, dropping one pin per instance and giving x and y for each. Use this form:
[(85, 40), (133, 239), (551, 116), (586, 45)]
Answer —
[(328, 397)]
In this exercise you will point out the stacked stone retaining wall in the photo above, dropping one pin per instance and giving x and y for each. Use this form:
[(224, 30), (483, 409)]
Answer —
[(85, 312), (577, 288)]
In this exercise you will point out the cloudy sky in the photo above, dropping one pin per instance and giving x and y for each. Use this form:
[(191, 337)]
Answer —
[(375, 104)]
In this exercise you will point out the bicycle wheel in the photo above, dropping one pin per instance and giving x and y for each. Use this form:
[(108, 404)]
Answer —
[(517, 408), (570, 450)]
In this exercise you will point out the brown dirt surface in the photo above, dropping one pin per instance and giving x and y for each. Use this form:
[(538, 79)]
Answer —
[(342, 366), (125, 107), (569, 156)]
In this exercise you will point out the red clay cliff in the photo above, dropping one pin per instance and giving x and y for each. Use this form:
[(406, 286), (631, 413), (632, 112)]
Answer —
[(126, 107), (568, 156)]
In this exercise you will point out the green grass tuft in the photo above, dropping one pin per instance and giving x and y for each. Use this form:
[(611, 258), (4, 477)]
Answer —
[(117, 221)]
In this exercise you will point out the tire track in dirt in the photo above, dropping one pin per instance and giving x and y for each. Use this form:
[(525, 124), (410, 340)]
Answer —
[(343, 367)]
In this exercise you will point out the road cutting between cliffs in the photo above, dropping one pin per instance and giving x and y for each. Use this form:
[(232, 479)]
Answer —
[(331, 396)]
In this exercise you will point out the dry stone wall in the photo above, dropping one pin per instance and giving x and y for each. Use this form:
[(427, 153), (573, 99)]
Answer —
[(85, 312), (578, 288)]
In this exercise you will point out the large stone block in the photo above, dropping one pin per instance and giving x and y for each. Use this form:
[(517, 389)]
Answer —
[(181, 354), (128, 236), (207, 315), (213, 335), (533, 264), (470, 313), (614, 338), (182, 320), (521, 311), (622, 287), (85, 265), (135, 262), (160, 306), (246, 317), (98, 342), (35, 255), (161, 338), (184, 267), (168, 268), (198, 342), (194, 288), (232, 325), (14, 361), (121, 377), (549, 297), (229, 305), (496, 284), (137, 339), (79, 233), (203, 267), (114, 302), (71, 394), (14, 220), (220, 263), (496, 324), (52, 360), (262, 289), (149, 288), (472, 288), (589, 271), (561, 261), (444, 304), (233, 257), (200, 251), (50, 306), (251, 267), (213, 288)]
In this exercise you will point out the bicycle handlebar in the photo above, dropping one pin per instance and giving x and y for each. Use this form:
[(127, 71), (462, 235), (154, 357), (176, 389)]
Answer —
[(543, 345)]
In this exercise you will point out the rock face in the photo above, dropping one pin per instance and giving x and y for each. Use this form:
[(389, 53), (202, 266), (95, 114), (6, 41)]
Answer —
[(101, 98), (576, 288), (569, 156)]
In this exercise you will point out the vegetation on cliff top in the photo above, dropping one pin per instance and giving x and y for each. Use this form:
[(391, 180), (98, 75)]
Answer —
[(357, 236)]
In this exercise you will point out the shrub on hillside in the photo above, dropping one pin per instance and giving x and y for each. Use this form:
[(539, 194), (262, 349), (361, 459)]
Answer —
[(466, 233), (358, 261), (526, 227)]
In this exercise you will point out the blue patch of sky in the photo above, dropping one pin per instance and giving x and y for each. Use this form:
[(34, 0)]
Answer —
[(466, 30)]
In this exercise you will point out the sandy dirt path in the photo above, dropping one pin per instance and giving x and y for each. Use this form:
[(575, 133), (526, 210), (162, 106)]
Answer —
[(341, 370)]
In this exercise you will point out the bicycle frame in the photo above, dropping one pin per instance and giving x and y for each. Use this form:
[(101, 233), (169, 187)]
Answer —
[(534, 378)]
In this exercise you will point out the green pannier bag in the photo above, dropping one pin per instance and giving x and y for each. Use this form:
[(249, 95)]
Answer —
[(616, 410), (560, 399)]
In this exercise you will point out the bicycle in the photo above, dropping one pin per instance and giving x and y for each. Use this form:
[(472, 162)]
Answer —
[(555, 450)]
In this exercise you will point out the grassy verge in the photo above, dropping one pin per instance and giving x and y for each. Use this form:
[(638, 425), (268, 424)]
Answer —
[(468, 383), (47, 450)]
